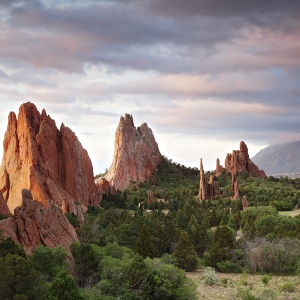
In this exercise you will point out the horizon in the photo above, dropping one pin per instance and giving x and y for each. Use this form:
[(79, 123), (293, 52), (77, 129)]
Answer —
[(203, 76)]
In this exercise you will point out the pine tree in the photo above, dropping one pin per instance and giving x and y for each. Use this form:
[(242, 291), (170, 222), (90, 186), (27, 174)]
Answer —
[(213, 218), (63, 287), (201, 240), (144, 246), (137, 272), (185, 253)]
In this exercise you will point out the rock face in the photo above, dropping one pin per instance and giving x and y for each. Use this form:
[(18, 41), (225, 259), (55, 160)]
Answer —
[(4, 211), (136, 154), (104, 186), (207, 190), (235, 187), (244, 202), (34, 225), (240, 161), (51, 163)]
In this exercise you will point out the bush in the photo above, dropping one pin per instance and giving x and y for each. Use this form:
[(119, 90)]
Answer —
[(245, 294), (229, 267), (268, 295), (210, 277), (288, 287), (265, 279)]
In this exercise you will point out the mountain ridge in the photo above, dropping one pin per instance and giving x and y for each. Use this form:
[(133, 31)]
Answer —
[(280, 159)]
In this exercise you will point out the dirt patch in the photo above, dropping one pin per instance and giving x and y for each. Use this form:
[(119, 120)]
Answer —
[(229, 284)]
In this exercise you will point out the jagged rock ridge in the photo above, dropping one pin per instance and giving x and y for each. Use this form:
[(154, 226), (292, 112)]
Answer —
[(34, 225), (51, 163), (136, 154), (240, 161)]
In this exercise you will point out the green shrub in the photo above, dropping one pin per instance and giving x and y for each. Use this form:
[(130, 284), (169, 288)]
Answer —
[(269, 295), (245, 294), (265, 279), (210, 277), (229, 267), (224, 280), (288, 287)]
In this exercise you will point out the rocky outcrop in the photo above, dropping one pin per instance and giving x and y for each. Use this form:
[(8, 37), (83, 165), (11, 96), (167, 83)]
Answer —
[(219, 168), (240, 161), (150, 197), (4, 211), (104, 186), (245, 202), (51, 163), (235, 187), (34, 225), (207, 190), (136, 154)]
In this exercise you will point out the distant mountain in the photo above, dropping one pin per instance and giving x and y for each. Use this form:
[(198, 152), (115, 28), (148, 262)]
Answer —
[(280, 160)]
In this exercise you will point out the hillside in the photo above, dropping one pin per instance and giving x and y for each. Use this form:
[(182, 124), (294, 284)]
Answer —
[(280, 160)]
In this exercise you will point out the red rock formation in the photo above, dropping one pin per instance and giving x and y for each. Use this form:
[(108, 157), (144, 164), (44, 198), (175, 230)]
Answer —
[(104, 186), (150, 197), (244, 202), (4, 211), (240, 161), (207, 190), (136, 154), (219, 168), (235, 187), (34, 225), (51, 163)]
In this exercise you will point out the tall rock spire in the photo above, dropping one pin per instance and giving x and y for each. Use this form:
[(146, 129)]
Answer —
[(207, 190), (136, 154)]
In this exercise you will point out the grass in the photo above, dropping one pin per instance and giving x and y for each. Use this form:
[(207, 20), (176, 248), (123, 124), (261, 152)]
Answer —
[(292, 213), (230, 284)]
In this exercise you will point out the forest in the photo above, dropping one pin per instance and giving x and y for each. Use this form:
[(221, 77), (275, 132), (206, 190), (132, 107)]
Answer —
[(132, 249)]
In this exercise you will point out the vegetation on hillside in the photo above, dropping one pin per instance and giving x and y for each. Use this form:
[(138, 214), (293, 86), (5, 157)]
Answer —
[(130, 249)]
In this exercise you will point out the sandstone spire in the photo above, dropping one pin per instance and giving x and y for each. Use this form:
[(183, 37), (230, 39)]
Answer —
[(219, 168), (51, 163), (240, 161), (207, 190), (235, 187), (136, 154)]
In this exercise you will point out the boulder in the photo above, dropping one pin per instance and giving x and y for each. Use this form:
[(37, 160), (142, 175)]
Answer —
[(136, 154)]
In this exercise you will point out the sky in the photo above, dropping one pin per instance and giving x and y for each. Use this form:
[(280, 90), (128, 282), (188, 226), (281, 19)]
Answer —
[(203, 74)]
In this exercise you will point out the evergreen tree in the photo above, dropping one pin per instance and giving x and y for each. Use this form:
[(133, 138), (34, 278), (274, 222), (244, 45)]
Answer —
[(144, 246), (201, 240), (19, 279), (225, 217), (213, 218), (86, 263), (8, 246), (137, 272), (217, 254), (63, 287), (185, 253)]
